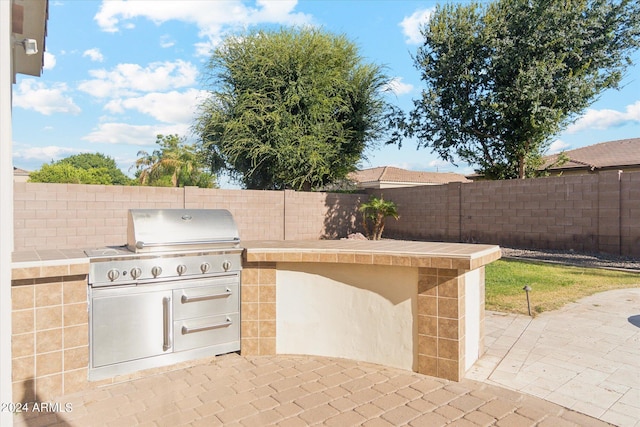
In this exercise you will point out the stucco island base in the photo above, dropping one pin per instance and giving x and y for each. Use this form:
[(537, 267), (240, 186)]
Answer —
[(412, 305)]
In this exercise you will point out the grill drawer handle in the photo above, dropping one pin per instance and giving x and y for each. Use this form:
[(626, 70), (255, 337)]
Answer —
[(186, 330), (167, 329), (185, 298)]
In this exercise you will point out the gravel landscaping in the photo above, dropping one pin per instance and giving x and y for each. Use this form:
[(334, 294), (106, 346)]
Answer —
[(598, 260)]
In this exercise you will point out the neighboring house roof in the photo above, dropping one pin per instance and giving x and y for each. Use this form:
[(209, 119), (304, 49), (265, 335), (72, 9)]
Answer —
[(611, 154), (20, 172), (391, 174), (20, 175)]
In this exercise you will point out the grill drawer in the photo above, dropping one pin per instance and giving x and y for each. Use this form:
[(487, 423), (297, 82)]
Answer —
[(207, 331), (207, 297)]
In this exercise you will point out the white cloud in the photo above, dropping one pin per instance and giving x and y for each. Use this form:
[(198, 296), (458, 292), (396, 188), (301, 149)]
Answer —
[(124, 133), (44, 154), (94, 54), (438, 164), (166, 41), (431, 166), (557, 146), (411, 25), (131, 79), (212, 17), (411, 166), (170, 107), (34, 95), (206, 48), (49, 61), (397, 87), (604, 119), (277, 12)]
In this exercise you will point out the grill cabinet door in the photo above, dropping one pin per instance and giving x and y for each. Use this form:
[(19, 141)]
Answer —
[(128, 326)]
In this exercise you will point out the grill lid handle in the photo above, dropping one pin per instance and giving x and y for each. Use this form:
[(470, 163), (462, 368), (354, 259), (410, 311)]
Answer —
[(142, 245)]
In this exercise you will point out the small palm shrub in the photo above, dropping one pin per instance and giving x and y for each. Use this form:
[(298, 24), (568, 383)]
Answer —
[(374, 213)]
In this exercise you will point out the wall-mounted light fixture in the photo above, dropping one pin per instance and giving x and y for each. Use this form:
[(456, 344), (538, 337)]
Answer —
[(30, 46)]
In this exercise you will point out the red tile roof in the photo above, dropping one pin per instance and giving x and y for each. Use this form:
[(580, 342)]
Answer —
[(624, 152)]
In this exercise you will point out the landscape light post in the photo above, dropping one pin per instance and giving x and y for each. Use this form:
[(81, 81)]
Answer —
[(527, 288)]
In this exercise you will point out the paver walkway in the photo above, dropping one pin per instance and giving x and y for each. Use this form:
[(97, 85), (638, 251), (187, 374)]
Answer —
[(585, 356), (300, 391)]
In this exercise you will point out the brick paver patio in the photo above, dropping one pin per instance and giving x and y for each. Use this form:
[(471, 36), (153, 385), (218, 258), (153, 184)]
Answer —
[(232, 390)]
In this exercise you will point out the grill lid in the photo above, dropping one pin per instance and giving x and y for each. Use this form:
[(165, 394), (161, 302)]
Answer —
[(154, 230)]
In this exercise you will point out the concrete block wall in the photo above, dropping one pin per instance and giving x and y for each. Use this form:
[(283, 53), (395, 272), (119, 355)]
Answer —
[(314, 216), (61, 216), (609, 204), (630, 214), (258, 214), (597, 212), (559, 213), (423, 212), (66, 216)]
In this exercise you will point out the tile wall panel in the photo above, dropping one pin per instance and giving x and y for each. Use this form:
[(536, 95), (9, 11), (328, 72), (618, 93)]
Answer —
[(258, 309), (441, 320), (50, 335)]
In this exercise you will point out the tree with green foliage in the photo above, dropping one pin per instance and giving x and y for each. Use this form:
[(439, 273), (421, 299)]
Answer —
[(174, 164), (294, 108), (63, 173), (85, 168), (90, 161), (504, 78)]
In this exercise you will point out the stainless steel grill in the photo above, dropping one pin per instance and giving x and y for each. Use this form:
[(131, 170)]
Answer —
[(170, 294), (153, 230)]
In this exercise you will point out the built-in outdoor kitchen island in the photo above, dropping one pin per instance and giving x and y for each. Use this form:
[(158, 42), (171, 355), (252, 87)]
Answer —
[(413, 305)]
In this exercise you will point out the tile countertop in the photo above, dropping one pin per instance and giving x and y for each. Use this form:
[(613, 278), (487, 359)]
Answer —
[(383, 252), (34, 264)]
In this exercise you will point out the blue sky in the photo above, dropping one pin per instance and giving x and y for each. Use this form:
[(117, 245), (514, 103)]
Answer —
[(117, 73)]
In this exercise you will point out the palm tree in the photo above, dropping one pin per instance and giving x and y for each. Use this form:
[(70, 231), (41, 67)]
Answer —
[(174, 159), (375, 211)]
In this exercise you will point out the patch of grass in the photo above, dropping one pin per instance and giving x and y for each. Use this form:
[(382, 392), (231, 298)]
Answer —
[(552, 286)]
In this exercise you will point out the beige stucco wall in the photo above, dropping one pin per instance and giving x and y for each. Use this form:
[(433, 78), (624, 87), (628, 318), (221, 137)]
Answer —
[(361, 312)]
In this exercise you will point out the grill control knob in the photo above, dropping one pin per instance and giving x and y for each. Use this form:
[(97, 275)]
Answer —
[(136, 272), (181, 269), (113, 274), (226, 265), (204, 267), (156, 271)]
